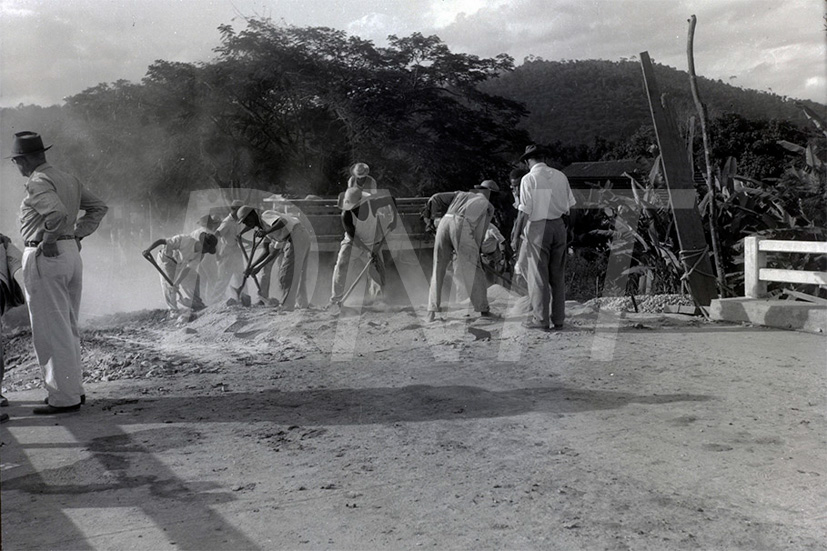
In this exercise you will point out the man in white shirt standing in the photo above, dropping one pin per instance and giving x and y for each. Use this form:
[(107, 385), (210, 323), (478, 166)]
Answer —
[(545, 202)]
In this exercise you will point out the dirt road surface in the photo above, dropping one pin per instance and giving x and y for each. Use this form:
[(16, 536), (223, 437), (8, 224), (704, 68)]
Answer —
[(250, 429)]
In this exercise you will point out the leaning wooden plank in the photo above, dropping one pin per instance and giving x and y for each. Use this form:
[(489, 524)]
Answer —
[(804, 296), (793, 276), (682, 195)]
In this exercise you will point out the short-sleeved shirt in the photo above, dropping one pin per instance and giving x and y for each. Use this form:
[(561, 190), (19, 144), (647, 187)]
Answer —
[(289, 222), (545, 193), (438, 204), (181, 249), (52, 203)]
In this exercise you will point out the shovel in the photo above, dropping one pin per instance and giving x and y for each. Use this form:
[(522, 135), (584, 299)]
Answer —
[(151, 260), (357, 280), (248, 259), (163, 274)]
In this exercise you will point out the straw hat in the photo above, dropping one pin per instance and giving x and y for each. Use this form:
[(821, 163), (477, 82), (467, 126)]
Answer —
[(360, 170), (352, 198)]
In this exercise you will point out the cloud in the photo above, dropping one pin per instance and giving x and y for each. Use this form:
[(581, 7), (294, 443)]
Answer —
[(762, 42), (49, 50)]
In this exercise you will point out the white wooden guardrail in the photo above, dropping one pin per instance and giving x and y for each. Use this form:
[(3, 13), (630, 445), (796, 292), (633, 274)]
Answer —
[(756, 273)]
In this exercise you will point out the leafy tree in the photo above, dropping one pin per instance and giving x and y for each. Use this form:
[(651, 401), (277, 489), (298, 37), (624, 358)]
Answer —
[(316, 97)]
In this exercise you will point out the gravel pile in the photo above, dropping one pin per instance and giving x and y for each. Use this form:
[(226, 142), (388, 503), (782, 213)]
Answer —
[(648, 304)]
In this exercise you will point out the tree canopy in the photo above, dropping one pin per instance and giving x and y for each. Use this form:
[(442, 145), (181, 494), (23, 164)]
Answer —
[(288, 110)]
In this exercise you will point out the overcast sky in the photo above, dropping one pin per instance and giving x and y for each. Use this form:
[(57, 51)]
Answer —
[(50, 49)]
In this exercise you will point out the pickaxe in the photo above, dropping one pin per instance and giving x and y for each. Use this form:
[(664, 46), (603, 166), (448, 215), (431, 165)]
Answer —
[(152, 261)]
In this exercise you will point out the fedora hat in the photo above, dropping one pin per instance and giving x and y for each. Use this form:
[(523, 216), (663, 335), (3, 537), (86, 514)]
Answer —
[(360, 170), (26, 142), (352, 198), (532, 152)]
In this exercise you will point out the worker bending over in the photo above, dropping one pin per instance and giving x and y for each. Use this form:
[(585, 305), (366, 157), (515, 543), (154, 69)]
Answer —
[(285, 235), (179, 258), (461, 231)]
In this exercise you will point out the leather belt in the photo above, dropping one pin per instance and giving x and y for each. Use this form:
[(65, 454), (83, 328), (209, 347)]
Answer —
[(36, 243)]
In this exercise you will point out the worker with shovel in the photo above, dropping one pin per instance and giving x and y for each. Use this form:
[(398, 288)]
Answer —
[(178, 262), (367, 218), (230, 257), (285, 235)]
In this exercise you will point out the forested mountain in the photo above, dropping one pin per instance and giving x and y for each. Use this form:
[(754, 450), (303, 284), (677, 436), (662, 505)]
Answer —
[(288, 110), (575, 102)]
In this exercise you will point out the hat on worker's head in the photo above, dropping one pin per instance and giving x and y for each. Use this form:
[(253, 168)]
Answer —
[(490, 185), (208, 242), (243, 212), (360, 170), (209, 222), (26, 143), (532, 152), (352, 198), (236, 204)]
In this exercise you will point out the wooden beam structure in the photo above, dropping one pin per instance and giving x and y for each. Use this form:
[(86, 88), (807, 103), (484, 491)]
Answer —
[(678, 174)]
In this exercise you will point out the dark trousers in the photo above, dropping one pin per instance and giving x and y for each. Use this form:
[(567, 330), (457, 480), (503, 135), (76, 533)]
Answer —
[(546, 274)]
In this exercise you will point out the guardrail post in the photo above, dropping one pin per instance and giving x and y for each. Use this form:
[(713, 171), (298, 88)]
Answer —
[(754, 260)]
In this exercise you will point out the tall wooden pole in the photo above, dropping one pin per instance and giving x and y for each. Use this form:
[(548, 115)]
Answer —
[(682, 196), (713, 191)]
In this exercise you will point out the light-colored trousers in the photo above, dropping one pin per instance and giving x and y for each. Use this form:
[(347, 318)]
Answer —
[(292, 272), (190, 299), (53, 288), (353, 260), (545, 245), (454, 234)]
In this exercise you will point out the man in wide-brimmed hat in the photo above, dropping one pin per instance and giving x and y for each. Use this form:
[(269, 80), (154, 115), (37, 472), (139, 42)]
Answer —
[(360, 177), (545, 200), (459, 235), (52, 267), (367, 218)]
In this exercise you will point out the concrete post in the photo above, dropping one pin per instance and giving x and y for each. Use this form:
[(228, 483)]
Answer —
[(754, 260)]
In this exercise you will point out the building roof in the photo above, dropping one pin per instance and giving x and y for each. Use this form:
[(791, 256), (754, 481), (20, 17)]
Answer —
[(600, 172)]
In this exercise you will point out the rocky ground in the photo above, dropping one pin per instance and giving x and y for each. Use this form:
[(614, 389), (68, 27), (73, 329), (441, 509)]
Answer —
[(251, 429)]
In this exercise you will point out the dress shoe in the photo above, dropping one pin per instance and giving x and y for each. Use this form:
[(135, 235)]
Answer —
[(4, 402), (4, 417), (534, 325), (82, 399), (52, 410)]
